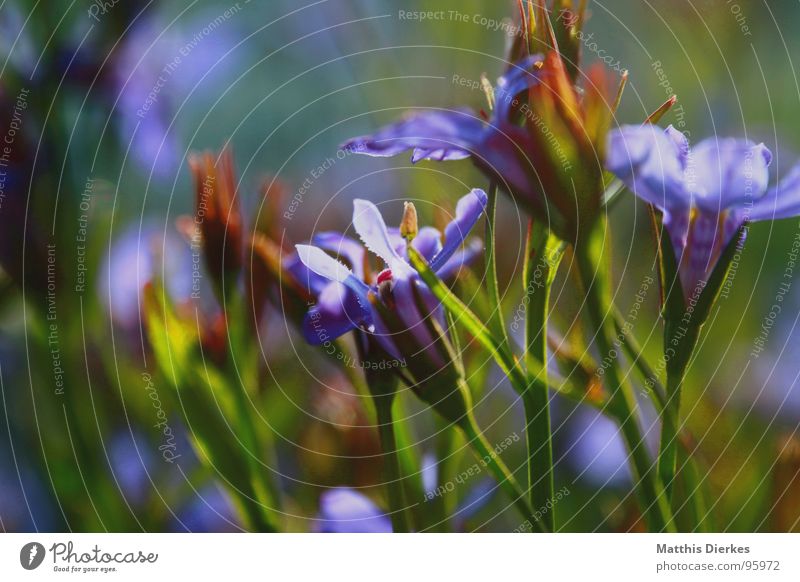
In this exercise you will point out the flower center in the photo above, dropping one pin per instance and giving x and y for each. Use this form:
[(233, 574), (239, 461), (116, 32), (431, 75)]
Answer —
[(385, 276), (385, 287)]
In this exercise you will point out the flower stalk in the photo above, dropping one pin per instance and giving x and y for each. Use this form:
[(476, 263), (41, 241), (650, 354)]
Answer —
[(592, 273), (543, 255), (391, 461)]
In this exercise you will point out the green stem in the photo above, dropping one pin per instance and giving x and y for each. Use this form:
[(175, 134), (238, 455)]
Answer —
[(541, 262), (264, 490), (492, 461), (391, 463), (681, 340), (495, 322), (621, 399), (634, 352)]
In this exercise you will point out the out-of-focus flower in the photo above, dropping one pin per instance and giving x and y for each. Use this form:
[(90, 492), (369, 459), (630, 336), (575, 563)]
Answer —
[(544, 143), (348, 296), (595, 448), (131, 464), (344, 510), (705, 193), (217, 218), (134, 259), (210, 511), (156, 69)]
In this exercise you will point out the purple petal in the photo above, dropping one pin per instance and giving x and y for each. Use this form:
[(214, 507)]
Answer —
[(468, 211), (343, 510), (320, 263), (428, 242), (781, 201), (681, 144), (338, 311), (725, 173), (397, 241), (520, 77), (326, 266), (651, 163), (709, 234), (371, 228), (438, 135), (343, 246), (304, 276), (414, 321), (460, 259)]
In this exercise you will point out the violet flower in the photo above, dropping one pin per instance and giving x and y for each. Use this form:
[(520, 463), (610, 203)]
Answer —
[(347, 296), (705, 193), (544, 142), (344, 510)]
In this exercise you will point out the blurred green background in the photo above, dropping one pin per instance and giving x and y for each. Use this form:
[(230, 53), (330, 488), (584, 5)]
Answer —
[(285, 83)]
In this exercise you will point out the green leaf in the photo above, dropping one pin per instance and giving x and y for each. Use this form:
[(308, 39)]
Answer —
[(498, 349)]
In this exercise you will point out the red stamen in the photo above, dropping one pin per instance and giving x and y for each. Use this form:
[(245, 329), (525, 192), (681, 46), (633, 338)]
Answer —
[(384, 276)]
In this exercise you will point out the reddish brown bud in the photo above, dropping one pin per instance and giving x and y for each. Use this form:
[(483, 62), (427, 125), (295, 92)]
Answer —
[(218, 221)]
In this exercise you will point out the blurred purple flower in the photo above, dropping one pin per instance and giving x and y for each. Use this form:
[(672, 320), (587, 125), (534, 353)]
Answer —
[(705, 193), (343, 294), (596, 449), (158, 68), (131, 459), (344, 510), (134, 259), (210, 511)]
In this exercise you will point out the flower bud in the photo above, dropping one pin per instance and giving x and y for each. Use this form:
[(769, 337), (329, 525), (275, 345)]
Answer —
[(408, 226), (217, 216)]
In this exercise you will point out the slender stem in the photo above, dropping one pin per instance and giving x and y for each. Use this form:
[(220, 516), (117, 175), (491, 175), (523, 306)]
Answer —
[(634, 352), (492, 461), (621, 400), (667, 452), (683, 340), (495, 322), (538, 281), (264, 490), (391, 464)]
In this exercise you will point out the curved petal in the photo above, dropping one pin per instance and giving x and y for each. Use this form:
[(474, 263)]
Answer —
[(414, 321), (397, 240), (468, 211), (343, 246), (384, 337), (460, 259), (517, 79), (781, 201), (428, 242), (725, 173), (681, 143), (709, 234), (319, 262), (304, 276), (337, 312), (344, 510), (437, 135), (651, 163), (371, 228)]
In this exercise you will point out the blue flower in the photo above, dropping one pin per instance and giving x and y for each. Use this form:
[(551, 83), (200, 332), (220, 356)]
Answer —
[(705, 193), (544, 142), (343, 510), (346, 296)]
